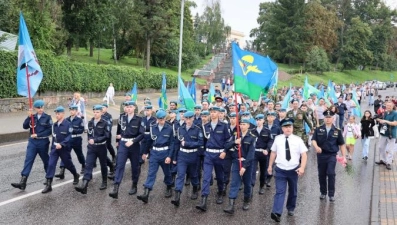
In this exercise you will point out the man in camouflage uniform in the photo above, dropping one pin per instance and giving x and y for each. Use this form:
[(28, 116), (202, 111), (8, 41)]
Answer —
[(310, 116), (299, 118), (254, 109)]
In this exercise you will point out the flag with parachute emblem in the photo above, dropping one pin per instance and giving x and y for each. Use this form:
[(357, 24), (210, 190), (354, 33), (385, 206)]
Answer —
[(211, 94), (134, 93), (253, 73), (29, 73), (163, 97), (185, 100)]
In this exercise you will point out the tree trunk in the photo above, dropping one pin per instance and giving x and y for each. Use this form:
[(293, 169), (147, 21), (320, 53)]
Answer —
[(91, 48), (148, 55), (69, 45)]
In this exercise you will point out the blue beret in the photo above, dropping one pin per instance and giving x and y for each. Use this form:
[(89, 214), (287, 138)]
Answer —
[(97, 107), (205, 113), (198, 106), (270, 101), (204, 100), (188, 114), (182, 110), (312, 94), (233, 114), (215, 108), (245, 121), (245, 113), (129, 103), (148, 107), (160, 114), (128, 94), (287, 121), (271, 114), (173, 111), (38, 104), (59, 109), (106, 105), (148, 102), (260, 116), (73, 107), (222, 110), (283, 110), (328, 113), (231, 104)]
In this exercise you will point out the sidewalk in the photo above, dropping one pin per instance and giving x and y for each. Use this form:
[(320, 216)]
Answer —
[(384, 194), (11, 123)]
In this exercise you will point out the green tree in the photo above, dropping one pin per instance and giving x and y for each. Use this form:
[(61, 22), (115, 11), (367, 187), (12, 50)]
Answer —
[(317, 60), (355, 51)]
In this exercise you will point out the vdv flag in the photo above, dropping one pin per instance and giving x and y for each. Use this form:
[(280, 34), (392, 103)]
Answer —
[(192, 89), (252, 72), (185, 100), (163, 97), (357, 110), (27, 61), (211, 94), (134, 93)]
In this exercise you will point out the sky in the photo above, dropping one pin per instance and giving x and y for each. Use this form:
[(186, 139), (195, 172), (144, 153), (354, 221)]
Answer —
[(241, 15)]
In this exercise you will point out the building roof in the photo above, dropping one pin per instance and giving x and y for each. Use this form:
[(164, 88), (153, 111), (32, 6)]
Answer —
[(10, 43)]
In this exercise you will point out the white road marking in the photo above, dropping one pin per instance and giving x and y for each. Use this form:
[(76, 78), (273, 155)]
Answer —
[(24, 142), (39, 191)]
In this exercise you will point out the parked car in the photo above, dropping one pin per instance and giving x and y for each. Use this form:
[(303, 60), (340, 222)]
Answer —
[(380, 85), (389, 84)]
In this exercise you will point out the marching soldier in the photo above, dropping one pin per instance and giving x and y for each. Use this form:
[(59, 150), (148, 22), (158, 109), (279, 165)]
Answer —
[(130, 132), (162, 146), (97, 134), (197, 115), (75, 141), (201, 151), (188, 140), (108, 117), (145, 123), (60, 147), (275, 130), (38, 143), (227, 165), (242, 165)]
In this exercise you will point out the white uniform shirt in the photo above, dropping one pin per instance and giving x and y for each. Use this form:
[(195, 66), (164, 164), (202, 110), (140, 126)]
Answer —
[(296, 146)]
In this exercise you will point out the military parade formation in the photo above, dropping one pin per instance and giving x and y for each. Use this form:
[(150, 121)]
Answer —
[(239, 143)]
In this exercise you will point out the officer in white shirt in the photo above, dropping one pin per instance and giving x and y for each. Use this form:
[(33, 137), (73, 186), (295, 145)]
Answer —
[(289, 153)]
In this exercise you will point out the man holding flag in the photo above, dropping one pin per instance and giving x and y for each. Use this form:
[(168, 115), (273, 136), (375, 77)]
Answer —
[(29, 76)]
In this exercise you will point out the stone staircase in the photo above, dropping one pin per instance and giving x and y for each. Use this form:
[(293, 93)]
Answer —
[(225, 70)]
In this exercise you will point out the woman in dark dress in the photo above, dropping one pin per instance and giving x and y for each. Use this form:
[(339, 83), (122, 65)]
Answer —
[(367, 124)]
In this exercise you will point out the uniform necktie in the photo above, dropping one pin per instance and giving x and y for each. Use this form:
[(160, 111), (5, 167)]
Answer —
[(288, 152)]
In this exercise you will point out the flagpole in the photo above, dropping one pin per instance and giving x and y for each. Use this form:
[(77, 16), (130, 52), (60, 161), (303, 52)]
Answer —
[(29, 97), (180, 45), (238, 130)]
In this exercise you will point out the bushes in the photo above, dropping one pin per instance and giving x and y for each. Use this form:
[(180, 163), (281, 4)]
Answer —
[(64, 75)]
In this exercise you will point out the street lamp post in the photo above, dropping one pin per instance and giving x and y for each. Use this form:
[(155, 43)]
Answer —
[(180, 45)]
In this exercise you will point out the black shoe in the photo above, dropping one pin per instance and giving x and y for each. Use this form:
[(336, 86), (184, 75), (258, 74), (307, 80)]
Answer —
[(168, 191), (261, 190), (111, 175), (291, 213), (134, 189), (82, 170), (104, 184), (48, 187), (115, 193), (194, 193), (145, 196), (276, 217), (267, 182), (322, 197), (332, 199), (22, 184), (203, 204), (246, 204), (177, 198), (219, 199), (381, 162), (61, 174), (388, 166), (76, 178), (83, 188), (230, 208)]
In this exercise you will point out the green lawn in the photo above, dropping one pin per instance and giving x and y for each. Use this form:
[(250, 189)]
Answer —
[(105, 57), (345, 77)]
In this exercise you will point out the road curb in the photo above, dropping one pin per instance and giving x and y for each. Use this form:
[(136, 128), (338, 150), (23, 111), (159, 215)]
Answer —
[(23, 135), (374, 212)]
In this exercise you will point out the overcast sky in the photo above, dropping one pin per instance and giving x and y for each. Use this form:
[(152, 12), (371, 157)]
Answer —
[(241, 15)]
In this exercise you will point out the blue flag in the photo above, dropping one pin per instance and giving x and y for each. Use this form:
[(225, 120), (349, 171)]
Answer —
[(134, 93), (192, 89), (331, 91), (252, 72), (211, 94), (163, 97), (185, 100), (29, 70), (287, 98)]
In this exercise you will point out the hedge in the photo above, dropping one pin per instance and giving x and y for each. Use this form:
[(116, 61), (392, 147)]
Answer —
[(61, 74)]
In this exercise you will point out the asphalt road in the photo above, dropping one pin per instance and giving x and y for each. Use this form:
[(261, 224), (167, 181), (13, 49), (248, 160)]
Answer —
[(66, 206)]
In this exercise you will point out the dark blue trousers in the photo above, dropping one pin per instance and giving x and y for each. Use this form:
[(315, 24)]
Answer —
[(94, 152), (55, 154), (227, 168), (156, 160), (212, 161), (35, 147), (124, 153), (263, 161), (326, 169), (187, 162), (282, 179), (76, 145), (236, 180)]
